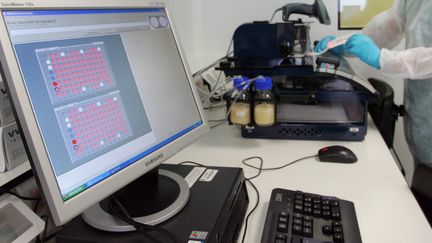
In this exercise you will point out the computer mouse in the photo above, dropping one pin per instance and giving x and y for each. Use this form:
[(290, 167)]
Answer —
[(337, 154)]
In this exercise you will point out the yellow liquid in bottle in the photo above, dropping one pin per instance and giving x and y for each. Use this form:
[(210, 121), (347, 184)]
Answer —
[(240, 114), (264, 114)]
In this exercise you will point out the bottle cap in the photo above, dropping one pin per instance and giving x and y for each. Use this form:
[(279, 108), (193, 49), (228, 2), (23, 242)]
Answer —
[(264, 83), (240, 82)]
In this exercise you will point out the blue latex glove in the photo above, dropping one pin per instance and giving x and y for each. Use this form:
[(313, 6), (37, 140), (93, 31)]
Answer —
[(322, 45), (364, 48)]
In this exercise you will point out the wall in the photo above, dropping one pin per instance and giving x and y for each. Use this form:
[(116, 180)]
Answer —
[(183, 18), (219, 19)]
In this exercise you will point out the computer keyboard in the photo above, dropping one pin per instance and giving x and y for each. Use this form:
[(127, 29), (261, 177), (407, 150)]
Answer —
[(299, 217)]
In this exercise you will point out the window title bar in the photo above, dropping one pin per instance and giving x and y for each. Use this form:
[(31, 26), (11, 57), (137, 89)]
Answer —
[(87, 11)]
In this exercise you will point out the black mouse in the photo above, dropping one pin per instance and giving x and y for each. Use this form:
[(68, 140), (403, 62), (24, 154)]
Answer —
[(337, 154)]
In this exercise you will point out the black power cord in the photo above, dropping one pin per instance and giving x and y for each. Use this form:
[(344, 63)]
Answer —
[(260, 170), (121, 213)]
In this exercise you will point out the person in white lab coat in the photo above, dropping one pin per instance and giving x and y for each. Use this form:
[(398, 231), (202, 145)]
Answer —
[(411, 19)]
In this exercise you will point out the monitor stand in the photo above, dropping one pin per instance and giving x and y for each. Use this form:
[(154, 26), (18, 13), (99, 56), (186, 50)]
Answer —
[(151, 199)]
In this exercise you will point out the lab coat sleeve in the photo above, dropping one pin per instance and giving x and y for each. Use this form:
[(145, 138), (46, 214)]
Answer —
[(387, 28), (414, 63)]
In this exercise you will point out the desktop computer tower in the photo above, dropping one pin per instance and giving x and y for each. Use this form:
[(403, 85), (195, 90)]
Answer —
[(214, 213)]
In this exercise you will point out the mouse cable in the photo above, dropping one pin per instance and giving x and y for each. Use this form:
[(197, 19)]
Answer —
[(272, 168)]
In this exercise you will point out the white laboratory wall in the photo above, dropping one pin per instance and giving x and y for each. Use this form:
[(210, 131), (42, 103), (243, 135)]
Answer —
[(182, 17), (218, 20), (213, 22)]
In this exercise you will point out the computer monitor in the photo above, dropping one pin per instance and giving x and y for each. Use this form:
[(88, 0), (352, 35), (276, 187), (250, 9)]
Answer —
[(102, 93)]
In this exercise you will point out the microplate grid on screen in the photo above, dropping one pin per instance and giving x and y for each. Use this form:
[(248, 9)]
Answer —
[(75, 71), (93, 125)]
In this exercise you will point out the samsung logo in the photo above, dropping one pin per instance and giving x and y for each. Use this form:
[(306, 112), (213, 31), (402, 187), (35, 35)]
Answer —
[(154, 159), (17, 4)]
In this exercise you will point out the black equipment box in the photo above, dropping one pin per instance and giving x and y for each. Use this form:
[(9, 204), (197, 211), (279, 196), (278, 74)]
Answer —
[(214, 212), (316, 98)]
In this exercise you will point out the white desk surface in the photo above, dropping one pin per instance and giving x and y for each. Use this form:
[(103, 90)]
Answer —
[(386, 209)]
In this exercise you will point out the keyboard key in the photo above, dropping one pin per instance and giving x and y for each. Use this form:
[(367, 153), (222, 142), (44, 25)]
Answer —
[(327, 230), (297, 229), (281, 227), (307, 232), (296, 239), (297, 221), (283, 220), (308, 218), (298, 208), (299, 195), (324, 208), (300, 229), (326, 214), (284, 214), (338, 238), (337, 229), (335, 213), (312, 240), (325, 202), (334, 203), (307, 224), (280, 236), (336, 223)]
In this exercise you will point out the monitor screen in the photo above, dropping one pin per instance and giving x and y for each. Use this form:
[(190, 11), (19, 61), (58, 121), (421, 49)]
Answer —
[(107, 89)]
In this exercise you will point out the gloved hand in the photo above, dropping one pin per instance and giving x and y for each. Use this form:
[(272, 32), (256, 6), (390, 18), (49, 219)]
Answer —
[(322, 45), (364, 48)]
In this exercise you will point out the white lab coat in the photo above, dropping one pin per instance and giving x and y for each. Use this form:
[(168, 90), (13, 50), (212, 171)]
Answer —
[(411, 19)]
